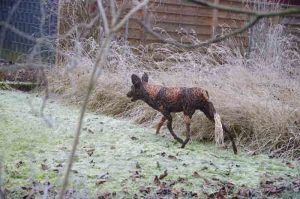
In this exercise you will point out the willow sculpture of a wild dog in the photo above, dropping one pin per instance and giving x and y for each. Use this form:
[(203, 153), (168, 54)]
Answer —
[(187, 100)]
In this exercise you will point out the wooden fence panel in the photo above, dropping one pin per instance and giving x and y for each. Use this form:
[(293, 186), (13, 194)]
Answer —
[(178, 18)]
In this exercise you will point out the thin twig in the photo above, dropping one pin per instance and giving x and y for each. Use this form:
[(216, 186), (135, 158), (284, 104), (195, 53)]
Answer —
[(101, 58), (104, 18), (257, 16), (17, 31), (128, 15), (9, 17), (100, 61), (210, 41), (247, 12), (81, 25), (113, 12)]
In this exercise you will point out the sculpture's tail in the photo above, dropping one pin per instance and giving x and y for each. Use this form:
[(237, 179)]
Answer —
[(219, 135)]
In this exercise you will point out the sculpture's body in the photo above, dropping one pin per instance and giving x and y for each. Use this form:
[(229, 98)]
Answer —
[(167, 100)]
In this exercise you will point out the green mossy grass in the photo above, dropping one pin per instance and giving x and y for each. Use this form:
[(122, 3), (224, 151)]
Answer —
[(35, 148)]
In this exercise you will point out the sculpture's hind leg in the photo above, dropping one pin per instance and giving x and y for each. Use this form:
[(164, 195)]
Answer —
[(161, 122), (209, 110), (187, 121), (169, 125)]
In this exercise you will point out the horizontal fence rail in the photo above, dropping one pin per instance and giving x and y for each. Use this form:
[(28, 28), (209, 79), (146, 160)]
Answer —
[(180, 19)]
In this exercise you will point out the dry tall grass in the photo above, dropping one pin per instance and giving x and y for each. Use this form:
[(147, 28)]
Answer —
[(257, 95)]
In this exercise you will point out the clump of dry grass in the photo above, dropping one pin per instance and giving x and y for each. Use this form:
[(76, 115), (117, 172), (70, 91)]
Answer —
[(258, 94)]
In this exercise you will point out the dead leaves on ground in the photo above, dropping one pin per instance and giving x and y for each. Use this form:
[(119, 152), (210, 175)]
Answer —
[(163, 175), (163, 185), (277, 185)]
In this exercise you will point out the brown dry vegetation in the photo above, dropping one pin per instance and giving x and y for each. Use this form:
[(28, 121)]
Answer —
[(258, 95)]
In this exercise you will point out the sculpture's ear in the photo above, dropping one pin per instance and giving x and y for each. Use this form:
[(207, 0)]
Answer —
[(136, 81), (145, 77)]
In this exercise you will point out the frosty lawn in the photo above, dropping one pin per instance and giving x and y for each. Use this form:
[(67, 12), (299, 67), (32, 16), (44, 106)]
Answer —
[(113, 155)]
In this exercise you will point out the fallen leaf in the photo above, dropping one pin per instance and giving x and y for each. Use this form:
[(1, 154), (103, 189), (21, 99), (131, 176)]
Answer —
[(105, 195), (172, 157), (157, 165), (104, 176), (135, 175), (100, 181), (44, 167), (90, 131), (163, 154), (55, 170), (206, 181), (138, 166), (181, 179), (196, 174), (90, 151), (244, 192), (163, 175), (290, 165), (19, 164), (156, 181), (164, 191), (59, 165), (216, 195), (144, 189), (133, 138)]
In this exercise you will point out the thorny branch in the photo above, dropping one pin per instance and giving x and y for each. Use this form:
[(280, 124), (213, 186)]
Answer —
[(246, 12)]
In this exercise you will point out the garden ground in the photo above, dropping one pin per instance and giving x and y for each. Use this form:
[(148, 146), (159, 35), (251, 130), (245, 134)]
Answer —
[(117, 159)]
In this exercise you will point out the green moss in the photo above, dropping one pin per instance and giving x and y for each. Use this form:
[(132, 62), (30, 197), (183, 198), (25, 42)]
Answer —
[(118, 147)]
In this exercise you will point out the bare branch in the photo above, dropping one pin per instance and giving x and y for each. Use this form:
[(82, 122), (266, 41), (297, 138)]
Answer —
[(11, 13), (102, 54), (101, 58), (103, 15), (122, 7), (210, 41), (17, 31), (81, 25), (128, 15), (257, 16), (100, 61), (247, 12), (113, 12)]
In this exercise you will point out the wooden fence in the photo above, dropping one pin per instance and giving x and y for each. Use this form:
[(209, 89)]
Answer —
[(183, 20), (179, 19)]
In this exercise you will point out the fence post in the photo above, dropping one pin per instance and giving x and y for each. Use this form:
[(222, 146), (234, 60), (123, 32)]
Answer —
[(214, 23)]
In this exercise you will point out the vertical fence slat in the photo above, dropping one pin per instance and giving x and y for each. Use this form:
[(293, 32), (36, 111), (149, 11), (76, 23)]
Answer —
[(214, 20)]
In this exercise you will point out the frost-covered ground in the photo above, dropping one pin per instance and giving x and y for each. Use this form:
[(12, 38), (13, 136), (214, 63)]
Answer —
[(118, 159)]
